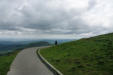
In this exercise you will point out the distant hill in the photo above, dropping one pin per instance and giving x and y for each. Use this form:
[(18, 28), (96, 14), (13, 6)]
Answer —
[(4, 48), (37, 44), (11, 46), (88, 56)]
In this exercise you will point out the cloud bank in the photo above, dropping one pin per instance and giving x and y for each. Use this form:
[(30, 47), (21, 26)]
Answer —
[(55, 18)]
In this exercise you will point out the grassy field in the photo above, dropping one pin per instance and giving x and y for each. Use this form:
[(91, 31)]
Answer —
[(5, 62), (90, 56)]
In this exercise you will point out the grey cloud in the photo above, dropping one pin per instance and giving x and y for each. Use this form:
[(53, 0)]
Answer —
[(44, 17), (92, 4)]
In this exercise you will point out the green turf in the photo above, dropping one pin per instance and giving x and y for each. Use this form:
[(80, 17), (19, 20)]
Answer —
[(91, 56), (5, 62)]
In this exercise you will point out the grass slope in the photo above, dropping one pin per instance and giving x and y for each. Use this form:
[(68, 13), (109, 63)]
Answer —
[(91, 56), (5, 62)]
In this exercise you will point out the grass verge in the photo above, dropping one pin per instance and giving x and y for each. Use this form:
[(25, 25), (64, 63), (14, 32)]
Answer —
[(91, 56), (5, 62)]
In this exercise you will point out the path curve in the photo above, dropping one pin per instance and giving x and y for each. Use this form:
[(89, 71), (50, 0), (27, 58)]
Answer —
[(28, 63)]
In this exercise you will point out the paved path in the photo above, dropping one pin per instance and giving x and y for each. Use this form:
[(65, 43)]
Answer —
[(28, 63)]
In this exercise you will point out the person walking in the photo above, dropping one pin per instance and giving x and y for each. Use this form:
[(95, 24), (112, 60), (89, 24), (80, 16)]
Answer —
[(56, 43)]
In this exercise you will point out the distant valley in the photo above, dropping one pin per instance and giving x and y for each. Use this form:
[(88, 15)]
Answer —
[(9, 46)]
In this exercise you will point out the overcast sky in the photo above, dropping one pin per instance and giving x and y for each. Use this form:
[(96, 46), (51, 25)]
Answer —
[(55, 18)]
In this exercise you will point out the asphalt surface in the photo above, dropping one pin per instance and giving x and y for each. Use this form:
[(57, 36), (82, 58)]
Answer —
[(28, 63)]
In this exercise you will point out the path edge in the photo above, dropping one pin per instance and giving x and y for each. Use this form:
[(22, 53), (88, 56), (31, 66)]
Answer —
[(51, 67)]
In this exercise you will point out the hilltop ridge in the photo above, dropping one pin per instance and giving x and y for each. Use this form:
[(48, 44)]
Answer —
[(87, 56)]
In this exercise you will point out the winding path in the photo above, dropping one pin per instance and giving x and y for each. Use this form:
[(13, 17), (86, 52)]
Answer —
[(28, 63)]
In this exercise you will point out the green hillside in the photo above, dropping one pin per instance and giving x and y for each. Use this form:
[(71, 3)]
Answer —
[(90, 56), (5, 62)]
